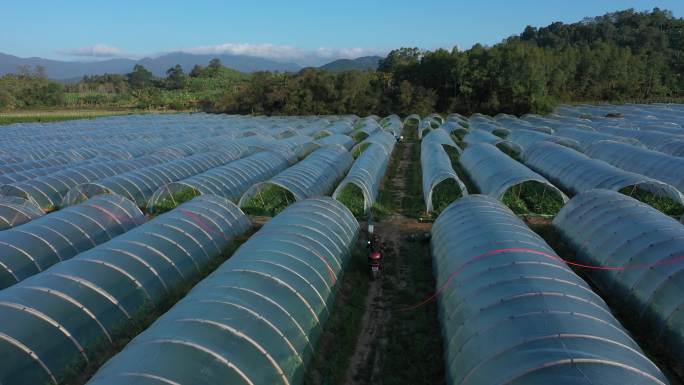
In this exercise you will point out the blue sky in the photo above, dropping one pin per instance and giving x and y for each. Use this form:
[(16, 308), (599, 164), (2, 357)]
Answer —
[(301, 31)]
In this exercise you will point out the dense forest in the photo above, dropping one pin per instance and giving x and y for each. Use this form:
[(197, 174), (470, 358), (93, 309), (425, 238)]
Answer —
[(621, 56)]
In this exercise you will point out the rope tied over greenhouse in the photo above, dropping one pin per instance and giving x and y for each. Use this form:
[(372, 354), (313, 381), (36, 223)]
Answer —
[(440, 290)]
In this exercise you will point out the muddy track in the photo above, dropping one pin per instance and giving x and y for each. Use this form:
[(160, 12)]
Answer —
[(367, 360)]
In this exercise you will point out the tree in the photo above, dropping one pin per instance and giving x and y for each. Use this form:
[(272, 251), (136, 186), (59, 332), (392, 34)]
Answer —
[(401, 57), (197, 71), (214, 67), (140, 77), (39, 72), (175, 78)]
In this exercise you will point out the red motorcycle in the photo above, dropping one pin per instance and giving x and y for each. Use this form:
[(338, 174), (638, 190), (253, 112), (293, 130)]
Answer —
[(374, 257)]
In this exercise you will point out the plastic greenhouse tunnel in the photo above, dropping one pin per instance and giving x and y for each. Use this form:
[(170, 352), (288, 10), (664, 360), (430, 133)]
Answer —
[(654, 164), (35, 246), (526, 138), (512, 312), (364, 179), (384, 139), (55, 320), (16, 211), (316, 175), (139, 185), (502, 177), (643, 251), (49, 190), (228, 181), (441, 184), (257, 318), (576, 173)]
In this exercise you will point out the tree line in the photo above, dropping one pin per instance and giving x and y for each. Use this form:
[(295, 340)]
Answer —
[(624, 55)]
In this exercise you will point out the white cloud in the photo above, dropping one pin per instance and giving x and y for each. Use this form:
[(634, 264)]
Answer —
[(285, 52), (96, 51)]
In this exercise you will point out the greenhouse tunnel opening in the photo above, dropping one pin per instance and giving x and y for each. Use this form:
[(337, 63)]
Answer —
[(352, 197), (500, 132), (454, 156), (661, 203), (509, 149), (443, 194), (268, 201), (533, 197), (458, 135), (321, 135), (171, 200), (359, 136)]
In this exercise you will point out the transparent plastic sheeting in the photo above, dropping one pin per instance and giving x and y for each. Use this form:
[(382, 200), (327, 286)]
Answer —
[(57, 160), (442, 137), (17, 211), (651, 139), (392, 124), (35, 246), (494, 172), (436, 168), (526, 138), (424, 127), (413, 118), (480, 136), (383, 139), (228, 181), (336, 140), (57, 318), (49, 190), (366, 173), (611, 230), (512, 315), (673, 147), (587, 138), (654, 164), (316, 175), (257, 318), (139, 185), (576, 172)]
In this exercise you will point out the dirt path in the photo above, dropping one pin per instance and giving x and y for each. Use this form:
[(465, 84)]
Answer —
[(366, 363)]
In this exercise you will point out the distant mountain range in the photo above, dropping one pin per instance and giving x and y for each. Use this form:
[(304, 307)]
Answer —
[(361, 63), (71, 70)]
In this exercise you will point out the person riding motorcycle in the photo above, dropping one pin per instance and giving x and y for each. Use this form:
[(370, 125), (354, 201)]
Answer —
[(374, 255)]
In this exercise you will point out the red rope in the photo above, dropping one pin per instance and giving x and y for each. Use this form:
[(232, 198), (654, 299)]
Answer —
[(666, 261)]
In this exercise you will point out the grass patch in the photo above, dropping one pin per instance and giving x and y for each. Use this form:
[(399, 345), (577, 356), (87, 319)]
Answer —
[(99, 352), (444, 194), (412, 204), (509, 150), (172, 201), (663, 204), (268, 202), (501, 133), (58, 116), (386, 203), (338, 341), (320, 135), (532, 198), (352, 197), (413, 351), (462, 174), (359, 136)]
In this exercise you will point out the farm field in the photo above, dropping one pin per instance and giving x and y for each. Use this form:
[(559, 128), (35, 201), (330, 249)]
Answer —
[(47, 116), (232, 249)]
